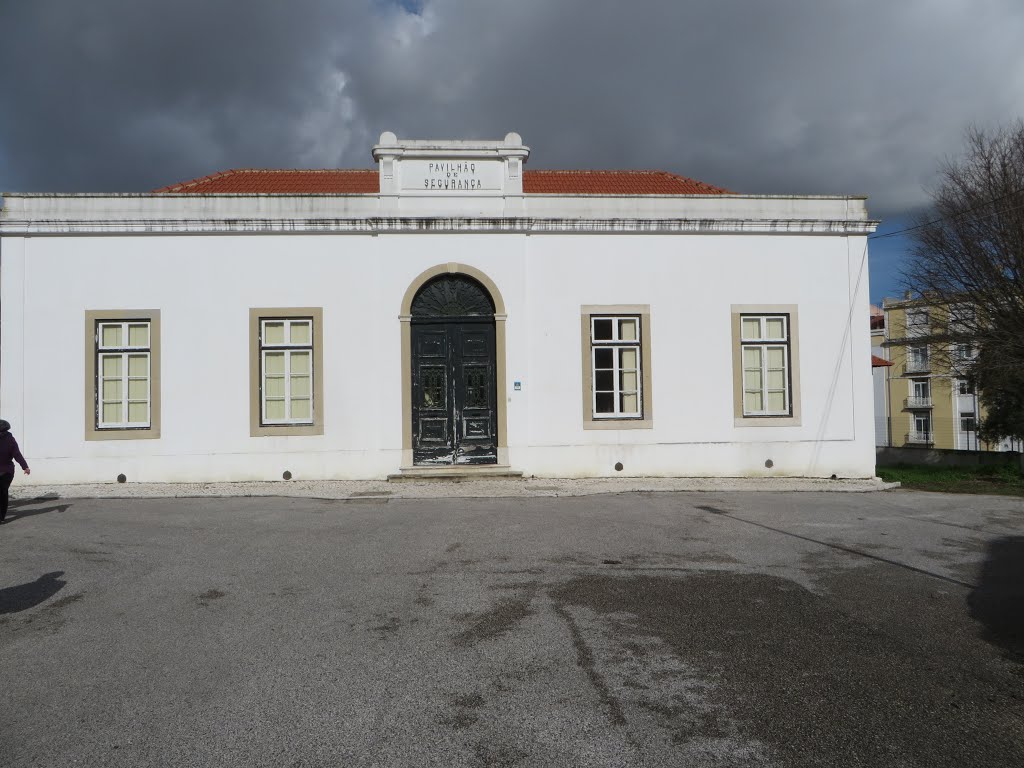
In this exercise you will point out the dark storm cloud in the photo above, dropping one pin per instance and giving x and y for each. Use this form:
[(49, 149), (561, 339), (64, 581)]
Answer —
[(789, 96), (114, 95)]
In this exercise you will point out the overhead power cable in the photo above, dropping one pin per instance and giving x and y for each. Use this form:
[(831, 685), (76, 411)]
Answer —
[(955, 215)]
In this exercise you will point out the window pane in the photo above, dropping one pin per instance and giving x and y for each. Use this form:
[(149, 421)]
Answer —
[(300, 409), (602, 330), (476, 397), (775, 328), (603, 357), (111, 366), (300, 386), (627, 330), (138, 389), (273, 333), (112, 389), (627, 359), (300, 362), (273, 362), (604, 381), (110, 335), (274, 386), (111, 413), (275, 410), (776, 379), (138, 335), (138, 365), (752, 357), (300, 333), (752, 379), (751, 328), (776, 357), (433, 386), (138, 413), (605, 402), (776, 401), (752, 402), (628, 381), (630, 403)]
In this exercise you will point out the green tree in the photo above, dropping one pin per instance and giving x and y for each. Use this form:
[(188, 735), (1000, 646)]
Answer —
[(968, 256)]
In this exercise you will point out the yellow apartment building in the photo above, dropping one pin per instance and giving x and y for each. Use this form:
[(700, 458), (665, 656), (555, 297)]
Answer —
[(928, 400)]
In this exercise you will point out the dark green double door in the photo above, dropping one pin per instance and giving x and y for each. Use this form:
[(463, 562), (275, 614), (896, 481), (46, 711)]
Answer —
[(454, 405)]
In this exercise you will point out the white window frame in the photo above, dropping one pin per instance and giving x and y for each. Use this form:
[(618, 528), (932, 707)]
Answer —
[(961, 317), (918, 321), (124, 352), (288, 349), (918, 358), (964, 351), (963, 387), (616, 343), (764, 343)]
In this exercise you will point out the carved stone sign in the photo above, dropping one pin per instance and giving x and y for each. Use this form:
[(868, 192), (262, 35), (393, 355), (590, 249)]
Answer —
[(450, 168), (444, 175)]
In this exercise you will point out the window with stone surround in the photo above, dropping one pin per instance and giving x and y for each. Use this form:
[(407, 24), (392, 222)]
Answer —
[(122, 392), (616, 367)]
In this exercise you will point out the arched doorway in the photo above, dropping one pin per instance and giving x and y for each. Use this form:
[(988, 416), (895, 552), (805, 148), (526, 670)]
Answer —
[(453, 366)]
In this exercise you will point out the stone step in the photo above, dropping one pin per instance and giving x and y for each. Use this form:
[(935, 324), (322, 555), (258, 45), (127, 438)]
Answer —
[(456, 474)]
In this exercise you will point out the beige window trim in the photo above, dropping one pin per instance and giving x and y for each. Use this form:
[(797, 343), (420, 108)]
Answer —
[(647, 401), (739, 419), (256, 427), (92, 317)]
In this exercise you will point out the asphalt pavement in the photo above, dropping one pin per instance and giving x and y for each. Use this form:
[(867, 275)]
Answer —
[(632, 629)]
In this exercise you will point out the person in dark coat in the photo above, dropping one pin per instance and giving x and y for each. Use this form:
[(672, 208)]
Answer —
[(9, 453)]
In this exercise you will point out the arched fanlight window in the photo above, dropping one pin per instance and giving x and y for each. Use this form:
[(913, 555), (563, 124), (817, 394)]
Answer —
[(452, 296)]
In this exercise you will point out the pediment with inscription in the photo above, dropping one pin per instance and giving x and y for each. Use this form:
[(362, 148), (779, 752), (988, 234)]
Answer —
[(456, 168)]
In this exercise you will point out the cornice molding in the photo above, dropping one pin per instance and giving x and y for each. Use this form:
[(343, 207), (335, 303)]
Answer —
[(428, 225)]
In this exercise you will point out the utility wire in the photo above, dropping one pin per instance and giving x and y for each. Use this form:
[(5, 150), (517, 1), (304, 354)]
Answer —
[(955, 215)]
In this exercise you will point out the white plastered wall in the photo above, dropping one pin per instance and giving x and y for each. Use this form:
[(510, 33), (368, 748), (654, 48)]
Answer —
[(204, 286), (690, 284)]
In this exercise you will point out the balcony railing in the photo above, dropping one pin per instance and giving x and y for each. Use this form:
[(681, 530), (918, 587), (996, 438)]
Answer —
[(917, 366), (919, 438), (918, 402)]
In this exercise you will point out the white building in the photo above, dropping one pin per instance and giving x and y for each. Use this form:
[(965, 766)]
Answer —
[(446, 309)]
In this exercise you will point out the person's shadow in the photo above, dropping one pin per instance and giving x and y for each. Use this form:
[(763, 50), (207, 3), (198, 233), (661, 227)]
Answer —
[(21, 597), (998, 600), (16, 509)]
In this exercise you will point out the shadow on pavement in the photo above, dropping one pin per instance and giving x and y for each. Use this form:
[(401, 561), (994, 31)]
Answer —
[(998, 600), (24, 596), (16, 509)]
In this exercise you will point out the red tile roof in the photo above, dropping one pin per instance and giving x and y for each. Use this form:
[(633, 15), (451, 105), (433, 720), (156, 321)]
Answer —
[(280, 182), (878, 362), (356, 182), (614, 183)]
